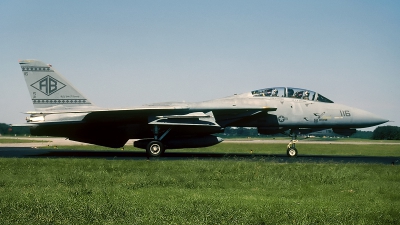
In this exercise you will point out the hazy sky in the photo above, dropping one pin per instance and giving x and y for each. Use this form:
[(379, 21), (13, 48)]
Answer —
[(129, 53)]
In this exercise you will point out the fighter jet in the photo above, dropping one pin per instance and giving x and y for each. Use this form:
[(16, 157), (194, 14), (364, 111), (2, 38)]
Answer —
[(62, 111)]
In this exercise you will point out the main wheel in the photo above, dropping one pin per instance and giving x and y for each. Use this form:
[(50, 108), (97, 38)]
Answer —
[(292, 152), (155, 149)]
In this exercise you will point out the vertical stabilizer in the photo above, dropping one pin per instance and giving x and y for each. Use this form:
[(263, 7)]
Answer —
[(49, 89)]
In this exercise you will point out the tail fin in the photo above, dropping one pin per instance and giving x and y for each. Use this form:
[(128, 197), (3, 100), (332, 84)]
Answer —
[(49, 89)]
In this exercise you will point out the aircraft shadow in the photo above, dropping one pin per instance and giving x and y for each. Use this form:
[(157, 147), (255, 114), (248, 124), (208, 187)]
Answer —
[(21, 152)]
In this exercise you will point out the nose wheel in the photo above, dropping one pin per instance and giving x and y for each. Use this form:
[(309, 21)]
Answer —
[(291, 150)]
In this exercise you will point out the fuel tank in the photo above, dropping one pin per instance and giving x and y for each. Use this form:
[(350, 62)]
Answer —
[(183, 142)]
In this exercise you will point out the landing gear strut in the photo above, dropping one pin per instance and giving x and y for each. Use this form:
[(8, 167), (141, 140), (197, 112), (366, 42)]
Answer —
[(155, 148), (291, 150)]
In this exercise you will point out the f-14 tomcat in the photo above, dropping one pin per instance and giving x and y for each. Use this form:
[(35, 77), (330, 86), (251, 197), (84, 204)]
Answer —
[(62, 111)]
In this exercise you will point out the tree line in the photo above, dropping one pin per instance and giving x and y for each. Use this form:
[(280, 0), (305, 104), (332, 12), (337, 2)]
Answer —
[(386, 133), (380, 133), (6, 129)]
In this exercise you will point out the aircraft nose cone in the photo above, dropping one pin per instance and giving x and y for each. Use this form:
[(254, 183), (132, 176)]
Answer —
[(367, 119)]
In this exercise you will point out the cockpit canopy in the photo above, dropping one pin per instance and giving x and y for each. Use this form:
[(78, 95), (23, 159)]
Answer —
[(288, 92)]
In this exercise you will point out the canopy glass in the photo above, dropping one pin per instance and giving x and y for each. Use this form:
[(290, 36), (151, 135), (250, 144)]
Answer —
[(288, 92)]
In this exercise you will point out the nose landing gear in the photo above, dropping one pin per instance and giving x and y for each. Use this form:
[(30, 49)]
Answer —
[(291, 150)]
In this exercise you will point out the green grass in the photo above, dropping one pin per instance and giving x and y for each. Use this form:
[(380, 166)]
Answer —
[(304, 149), (313, 139), (208, 191), (273, 149), (352, 140), (99, 191)]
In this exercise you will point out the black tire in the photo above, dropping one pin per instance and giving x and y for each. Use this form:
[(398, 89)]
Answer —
[(291, 152), (155, 149)]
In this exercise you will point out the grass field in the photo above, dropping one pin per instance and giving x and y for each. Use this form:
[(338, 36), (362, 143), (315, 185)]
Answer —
[(272, 149), (214, 191), (313, 139)]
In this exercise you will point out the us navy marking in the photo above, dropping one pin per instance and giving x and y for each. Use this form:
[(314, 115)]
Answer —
[(282, 119)]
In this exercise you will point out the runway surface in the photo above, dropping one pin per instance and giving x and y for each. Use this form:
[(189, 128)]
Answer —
[(32, 150), (27, 152), (63, 142)]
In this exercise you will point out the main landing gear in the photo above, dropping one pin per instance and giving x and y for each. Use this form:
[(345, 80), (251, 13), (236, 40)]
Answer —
[(156, 148), (291, 150)]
